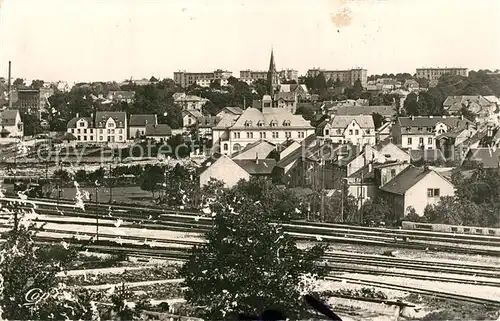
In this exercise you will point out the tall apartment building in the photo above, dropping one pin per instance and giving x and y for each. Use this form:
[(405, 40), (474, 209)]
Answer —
[(33, 101), (252, 75), (347, 76), (185, 79), (436, 73)]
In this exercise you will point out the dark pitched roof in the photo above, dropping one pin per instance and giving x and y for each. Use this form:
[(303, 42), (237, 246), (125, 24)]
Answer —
[(4, 131), (208, 162), (487, 156), (261, 167), (72, 122), (101, 117), (431, 121), (250, 146), (287, 96), (142, 120), (234, 110), (158, 130), (387, 111), (68, 136), (406, 179), (8, 117)]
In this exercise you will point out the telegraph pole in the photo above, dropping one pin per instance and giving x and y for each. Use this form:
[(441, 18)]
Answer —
[(110, 185), (97, 214)]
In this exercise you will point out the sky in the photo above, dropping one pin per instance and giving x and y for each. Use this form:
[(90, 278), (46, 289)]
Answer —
[(104, 40)]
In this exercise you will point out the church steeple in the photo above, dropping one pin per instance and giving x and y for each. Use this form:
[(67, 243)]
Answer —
[(272, 76)]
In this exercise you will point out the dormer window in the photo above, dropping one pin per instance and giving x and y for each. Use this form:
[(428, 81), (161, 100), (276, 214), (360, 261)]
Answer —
[(420, 129), (274, 123), (429, 129), (286, 123), (120, 124), (100, 124), (408, 129), (82, 124), (248, 123), (260, 123)]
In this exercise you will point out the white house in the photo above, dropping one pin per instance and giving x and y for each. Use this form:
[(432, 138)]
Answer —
[(421, 132), (12, 125), (358, 130), (137, 124), (107, 127), (189, 102), (231, 171), (190, 117), (276, 125), (416, 187)]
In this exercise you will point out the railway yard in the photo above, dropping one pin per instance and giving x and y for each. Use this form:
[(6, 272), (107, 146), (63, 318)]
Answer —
[(403, 263)]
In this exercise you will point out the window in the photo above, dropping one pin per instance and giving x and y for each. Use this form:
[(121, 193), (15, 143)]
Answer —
[(120, 131), (429, 141), (275, 134), (100, 137), (111, 125), (350, 131), (262, 135), (274, 123), (249, 135), (420, 129), (433, 192), (339, 131), (100, 131), (91, 137), (301, 134), (408, 129), (360, 192), (84, 137), (327, 132), (368, 131), (79, 137), (409, 141), (84, 130), (288, 134), (82, 124), (78, 130), (72, 130), (248, 123), (286, 123), (120, 137), (420, 140), (429, 129), (356, 132), (260, 123), (225, 147), (91, 130), (112, 131), (109, 131), (393, 172)]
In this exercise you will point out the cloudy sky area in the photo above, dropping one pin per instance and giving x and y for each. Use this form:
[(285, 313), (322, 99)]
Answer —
[(83, 40)]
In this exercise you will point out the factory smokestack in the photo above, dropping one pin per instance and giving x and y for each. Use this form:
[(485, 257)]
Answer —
[(9, 86)]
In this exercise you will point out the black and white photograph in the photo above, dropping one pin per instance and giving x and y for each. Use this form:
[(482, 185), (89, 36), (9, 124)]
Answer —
[(220, 160)]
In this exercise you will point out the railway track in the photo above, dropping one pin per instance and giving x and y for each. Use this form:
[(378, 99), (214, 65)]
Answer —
[(433, 293)]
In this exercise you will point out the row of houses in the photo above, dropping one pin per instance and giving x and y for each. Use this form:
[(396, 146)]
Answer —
[(369, 171), (116, 127)]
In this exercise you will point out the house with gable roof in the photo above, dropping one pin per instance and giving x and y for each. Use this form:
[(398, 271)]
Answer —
[(421, 132), (234, 111), (357, 130), (416, 187), (12, 125), (479, 105), (275, 125), (138, 123), (106, 127)]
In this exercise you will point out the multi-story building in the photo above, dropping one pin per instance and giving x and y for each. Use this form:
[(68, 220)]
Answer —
[(276, 125), (208, 82), (421, 132), (357, 130), (106, 127), (250, 76), (33, 101), (436, 73), (185, 79), (121, 96), (346, 76), (189, 102)]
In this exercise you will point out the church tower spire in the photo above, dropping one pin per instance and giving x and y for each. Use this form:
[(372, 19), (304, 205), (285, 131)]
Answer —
[(272, 76)]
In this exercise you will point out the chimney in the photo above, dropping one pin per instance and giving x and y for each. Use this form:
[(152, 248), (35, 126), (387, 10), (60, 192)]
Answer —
[(370, 167), (462, 117), (412, 117), (77, 115), (9, 87), (431, 116), (256, 158)]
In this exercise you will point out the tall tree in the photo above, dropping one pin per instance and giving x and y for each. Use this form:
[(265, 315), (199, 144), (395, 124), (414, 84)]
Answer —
[(247, 264)]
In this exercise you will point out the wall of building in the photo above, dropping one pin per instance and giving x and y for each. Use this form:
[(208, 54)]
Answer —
[(417, 196)]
